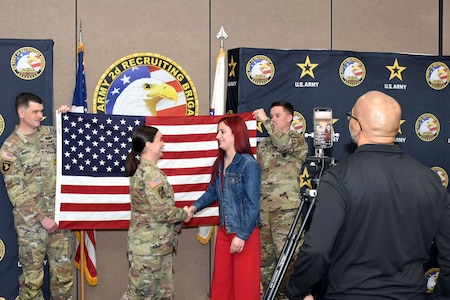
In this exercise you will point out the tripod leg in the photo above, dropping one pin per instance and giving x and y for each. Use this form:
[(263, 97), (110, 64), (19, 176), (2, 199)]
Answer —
[(285, 257)]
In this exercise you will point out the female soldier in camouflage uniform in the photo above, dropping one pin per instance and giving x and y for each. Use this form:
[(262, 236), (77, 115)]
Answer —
[(151, 234)]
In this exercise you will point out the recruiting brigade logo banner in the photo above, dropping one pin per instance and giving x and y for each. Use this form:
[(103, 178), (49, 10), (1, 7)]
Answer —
[(28, 63), (146, 84)]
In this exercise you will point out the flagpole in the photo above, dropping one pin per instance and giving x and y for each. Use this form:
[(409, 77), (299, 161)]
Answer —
[(218, 107), (82, 262), (82, 232)]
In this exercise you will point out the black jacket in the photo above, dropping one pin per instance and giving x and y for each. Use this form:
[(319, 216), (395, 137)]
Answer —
[(377, 214)]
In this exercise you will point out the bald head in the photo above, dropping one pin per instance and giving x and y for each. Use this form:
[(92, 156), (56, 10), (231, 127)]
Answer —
[(379, 115)]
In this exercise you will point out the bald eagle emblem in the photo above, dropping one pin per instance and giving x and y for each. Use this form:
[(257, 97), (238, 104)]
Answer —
[(437, 75), (260, 70), (28, 63), (427, 127), (352, 71)]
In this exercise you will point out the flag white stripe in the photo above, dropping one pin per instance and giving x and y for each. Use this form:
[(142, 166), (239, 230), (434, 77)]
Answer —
[(188, 196), (125, 181), (189, 179), (192, 129), (96, 216), (189, 146), (94, 181), (185, 163), (96, 198), (207, 212)]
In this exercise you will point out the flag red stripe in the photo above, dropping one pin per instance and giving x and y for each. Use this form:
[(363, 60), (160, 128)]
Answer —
[(181, 188), (92, 189), (198, 120), (183, 138), (187, 171), (199, 221), (82, 225), (189, 154), (89, 263)]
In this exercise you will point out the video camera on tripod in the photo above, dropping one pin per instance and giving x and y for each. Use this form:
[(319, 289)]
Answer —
[(316, 165)]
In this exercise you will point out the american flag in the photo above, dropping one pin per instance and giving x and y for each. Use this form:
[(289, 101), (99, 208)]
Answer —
[(92, 189)]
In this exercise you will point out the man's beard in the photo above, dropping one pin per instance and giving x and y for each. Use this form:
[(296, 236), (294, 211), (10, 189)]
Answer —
[(352, 135)]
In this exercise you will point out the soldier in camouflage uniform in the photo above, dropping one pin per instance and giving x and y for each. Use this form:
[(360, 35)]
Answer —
[(154, 222), (280, 156), (28, 164)]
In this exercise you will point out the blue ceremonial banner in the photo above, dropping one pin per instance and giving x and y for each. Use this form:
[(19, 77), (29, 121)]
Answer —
[(27, 66), (336, 79)]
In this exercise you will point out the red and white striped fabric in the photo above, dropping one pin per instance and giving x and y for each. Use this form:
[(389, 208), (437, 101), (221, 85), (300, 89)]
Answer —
[(92, 190), (90, 264)]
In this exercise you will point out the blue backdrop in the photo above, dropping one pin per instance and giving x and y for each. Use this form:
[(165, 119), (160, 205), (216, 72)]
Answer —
[(25, 66), (336, 79)]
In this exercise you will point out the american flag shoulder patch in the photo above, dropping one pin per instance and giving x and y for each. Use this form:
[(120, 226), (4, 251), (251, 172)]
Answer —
[(7, 155), (155, 182)]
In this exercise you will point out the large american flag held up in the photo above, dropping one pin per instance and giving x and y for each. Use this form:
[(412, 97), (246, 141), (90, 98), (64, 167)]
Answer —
[(92, 190)]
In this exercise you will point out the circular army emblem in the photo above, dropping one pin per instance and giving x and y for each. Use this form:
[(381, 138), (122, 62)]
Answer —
[(352, 71), (146, 84), (443, 175), (2, 124), (427, 127), (260, 70), (437, 75), (298, 123), (28, 63), (431, 275), (2, 249)]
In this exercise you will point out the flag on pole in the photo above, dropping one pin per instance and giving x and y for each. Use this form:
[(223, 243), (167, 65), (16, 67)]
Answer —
[(218, 97), (79, 105), (93, 191), (90, 268), (217, 108)]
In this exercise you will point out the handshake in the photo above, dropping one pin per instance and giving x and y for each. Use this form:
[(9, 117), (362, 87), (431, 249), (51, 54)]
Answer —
[(190, 211)]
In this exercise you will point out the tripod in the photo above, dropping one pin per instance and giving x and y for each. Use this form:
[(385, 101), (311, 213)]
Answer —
[(317, 166)]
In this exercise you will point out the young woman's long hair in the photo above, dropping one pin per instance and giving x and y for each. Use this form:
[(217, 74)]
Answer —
[(241, 140), (141, 135)]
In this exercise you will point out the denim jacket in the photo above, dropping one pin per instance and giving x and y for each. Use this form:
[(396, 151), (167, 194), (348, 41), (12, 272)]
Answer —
[(239, 198)]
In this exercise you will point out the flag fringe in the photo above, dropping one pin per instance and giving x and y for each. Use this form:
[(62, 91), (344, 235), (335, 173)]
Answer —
[(203, 237)]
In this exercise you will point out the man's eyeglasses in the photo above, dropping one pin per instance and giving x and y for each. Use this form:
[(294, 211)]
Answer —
[(350, 116)]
